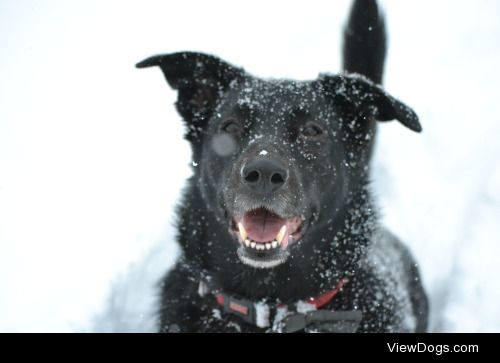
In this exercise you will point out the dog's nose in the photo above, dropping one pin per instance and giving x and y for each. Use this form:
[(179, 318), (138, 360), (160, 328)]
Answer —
[(264, 175)]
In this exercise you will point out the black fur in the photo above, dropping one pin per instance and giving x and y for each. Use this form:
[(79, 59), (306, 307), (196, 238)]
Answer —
[(321, 133)]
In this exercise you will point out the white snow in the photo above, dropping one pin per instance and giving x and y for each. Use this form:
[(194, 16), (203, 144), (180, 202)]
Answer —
[(262, 314), (304, 307), (92, 158)]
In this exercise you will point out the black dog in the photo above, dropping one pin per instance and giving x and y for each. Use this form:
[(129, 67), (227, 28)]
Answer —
[(277, 226)]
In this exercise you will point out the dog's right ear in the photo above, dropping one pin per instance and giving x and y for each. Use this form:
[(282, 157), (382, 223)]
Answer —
[(361, 92), (200, 80)]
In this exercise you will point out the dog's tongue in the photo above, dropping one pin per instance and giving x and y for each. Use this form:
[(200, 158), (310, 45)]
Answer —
[(262, 225)]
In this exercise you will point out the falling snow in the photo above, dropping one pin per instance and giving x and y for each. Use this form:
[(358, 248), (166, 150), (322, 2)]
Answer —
[(97, 186)]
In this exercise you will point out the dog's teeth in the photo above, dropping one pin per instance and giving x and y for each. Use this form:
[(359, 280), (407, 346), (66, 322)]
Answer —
[(243, 232), (274, 244), (252, 244), (247, 243), (268, 246), (260, 247), (281, 234)]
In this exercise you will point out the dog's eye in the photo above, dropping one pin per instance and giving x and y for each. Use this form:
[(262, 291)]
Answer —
[(231, 127), (311, 130)]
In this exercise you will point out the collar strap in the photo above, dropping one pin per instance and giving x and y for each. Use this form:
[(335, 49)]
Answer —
[(259, 313), (325, 298)]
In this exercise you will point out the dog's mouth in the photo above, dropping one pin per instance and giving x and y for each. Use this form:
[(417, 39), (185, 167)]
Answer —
[(265, 237)]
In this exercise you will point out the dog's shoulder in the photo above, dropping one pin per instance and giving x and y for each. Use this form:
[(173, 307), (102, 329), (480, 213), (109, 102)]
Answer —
[(392, 279)]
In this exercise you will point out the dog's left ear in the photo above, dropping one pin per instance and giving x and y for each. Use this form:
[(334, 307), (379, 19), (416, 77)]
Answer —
[(362, 92), (200, 80)]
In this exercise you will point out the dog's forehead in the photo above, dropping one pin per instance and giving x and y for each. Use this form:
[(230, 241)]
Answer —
[(272, 97)]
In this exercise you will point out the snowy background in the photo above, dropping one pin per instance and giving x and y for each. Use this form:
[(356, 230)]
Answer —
[(92, 158)]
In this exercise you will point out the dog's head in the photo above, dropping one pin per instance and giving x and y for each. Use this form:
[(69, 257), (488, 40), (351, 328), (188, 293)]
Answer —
[(276, 159)]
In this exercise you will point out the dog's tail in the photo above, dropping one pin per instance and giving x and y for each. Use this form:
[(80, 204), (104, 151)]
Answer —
[(365, 41)]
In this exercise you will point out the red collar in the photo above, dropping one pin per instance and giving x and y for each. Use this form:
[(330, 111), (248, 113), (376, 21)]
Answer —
[(259, 313), (322, 300)]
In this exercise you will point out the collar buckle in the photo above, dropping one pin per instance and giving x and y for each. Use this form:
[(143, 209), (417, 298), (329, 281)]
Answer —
[(323, 321), (240, 307)]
